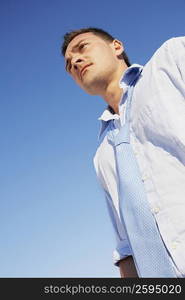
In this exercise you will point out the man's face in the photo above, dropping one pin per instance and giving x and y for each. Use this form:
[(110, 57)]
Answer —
[(92, 61)]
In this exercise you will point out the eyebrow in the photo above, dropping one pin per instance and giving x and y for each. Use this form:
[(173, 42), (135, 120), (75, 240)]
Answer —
[(75, 46)]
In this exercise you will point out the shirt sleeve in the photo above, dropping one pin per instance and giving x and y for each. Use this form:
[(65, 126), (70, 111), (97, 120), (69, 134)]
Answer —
[(177, 48), (123, 248), (121, 252), (170, 58), (169, 62), (109, 189)]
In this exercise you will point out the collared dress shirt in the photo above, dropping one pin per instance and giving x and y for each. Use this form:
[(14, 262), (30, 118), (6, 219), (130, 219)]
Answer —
[(158, 141)]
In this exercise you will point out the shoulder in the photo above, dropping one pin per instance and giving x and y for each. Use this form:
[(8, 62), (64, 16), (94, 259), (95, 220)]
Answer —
[(172, 44), (168, 52), (173, 41)]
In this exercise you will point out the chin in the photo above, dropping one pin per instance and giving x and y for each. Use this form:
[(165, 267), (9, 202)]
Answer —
[(93, 86), (90, 91), (89, 88)]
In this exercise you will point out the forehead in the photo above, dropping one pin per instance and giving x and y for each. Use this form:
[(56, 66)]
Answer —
[(82, 37)]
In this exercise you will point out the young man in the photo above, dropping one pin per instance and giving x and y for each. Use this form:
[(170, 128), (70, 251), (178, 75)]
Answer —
[(151, 100)]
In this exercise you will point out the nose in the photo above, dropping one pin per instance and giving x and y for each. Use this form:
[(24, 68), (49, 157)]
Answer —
[(76, 62)]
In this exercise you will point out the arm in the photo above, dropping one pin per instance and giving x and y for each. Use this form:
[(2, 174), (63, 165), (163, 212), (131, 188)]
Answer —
[(127, 268)]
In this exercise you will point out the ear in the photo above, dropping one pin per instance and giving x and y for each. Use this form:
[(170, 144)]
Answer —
[(118, 47)]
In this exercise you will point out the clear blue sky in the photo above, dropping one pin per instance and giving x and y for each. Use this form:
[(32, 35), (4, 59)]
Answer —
[(53, 216)]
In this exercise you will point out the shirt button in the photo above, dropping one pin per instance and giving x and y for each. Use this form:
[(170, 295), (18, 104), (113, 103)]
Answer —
[(156, 210), (174, 245), (144, 177)]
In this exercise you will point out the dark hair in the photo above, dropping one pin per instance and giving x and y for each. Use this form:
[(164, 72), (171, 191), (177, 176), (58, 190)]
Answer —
[(69, 36)]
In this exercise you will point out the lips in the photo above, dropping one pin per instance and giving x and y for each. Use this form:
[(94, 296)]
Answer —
[(84, 68)]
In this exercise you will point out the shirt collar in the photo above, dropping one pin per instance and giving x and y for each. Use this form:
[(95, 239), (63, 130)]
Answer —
[(124, 82)]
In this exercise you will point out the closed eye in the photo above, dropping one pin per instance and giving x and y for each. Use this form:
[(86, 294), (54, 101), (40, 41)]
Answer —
[(82, 45), (68, 66)]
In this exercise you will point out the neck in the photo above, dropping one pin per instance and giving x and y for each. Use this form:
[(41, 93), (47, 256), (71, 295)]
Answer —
[(113, 93)]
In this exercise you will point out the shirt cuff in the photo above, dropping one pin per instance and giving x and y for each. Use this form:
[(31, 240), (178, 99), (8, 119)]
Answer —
[(122, 251)]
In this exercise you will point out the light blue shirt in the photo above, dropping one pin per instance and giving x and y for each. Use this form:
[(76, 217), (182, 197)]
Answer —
[(158, 141)]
